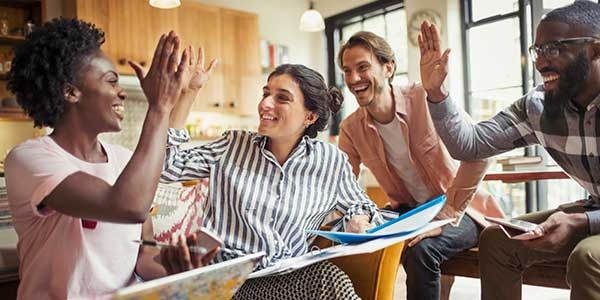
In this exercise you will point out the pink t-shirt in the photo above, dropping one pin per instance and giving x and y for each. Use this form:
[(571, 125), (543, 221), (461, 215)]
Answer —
[(58, 257)]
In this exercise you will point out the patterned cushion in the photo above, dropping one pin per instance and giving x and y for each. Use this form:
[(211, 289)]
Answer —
[(178, 209)]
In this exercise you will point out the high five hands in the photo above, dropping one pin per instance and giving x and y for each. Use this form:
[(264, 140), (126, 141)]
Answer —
[(170, 75), (434, 63), (198, 75)]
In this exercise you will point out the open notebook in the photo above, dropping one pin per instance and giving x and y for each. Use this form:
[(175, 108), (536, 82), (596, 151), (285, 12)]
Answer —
[(218, 281), (408, 222)]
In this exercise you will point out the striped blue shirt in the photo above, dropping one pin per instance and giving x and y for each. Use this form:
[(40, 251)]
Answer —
[(256, 204)]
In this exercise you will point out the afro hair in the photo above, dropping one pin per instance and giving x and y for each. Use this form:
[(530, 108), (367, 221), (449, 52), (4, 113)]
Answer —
[(47, 60)]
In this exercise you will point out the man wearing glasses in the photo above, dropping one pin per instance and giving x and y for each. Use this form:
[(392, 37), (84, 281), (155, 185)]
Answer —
[(563, 115)]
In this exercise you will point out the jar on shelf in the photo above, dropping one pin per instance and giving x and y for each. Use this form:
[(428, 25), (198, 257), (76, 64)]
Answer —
[(29, 26), (3, 25)]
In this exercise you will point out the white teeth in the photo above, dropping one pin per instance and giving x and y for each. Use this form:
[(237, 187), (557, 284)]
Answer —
[(119, 109), (548, 78), (360, 88), (267, 118)]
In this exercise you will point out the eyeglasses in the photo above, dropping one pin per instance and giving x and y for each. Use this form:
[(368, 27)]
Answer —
[(552, 49)]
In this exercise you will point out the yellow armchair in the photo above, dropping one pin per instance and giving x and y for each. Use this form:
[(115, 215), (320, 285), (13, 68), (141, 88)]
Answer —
[(373, 274)]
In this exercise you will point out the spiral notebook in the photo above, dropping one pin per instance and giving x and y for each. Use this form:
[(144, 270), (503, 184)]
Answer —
[(218, 281), (408, 222)]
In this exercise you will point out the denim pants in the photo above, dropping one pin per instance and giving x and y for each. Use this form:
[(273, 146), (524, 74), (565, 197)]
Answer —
[(422, 261)]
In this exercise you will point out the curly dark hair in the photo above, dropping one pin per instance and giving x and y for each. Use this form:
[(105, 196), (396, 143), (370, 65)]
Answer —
[(318, 98), (581, 13), (47, 60)]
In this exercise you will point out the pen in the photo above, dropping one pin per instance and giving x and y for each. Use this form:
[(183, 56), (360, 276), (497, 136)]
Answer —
[(194, 249)]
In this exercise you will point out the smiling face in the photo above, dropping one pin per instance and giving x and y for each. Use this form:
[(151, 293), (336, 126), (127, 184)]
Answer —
[(364, 75), (568, 74), (283, 116), (96, 95)]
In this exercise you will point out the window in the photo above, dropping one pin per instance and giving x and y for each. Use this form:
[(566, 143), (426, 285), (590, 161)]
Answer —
[(498, 71), (384, 18)]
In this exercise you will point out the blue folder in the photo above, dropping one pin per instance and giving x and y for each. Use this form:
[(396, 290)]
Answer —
[(421, 215)]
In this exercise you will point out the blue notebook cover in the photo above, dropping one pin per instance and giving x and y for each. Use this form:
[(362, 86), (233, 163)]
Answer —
[(409, 221)]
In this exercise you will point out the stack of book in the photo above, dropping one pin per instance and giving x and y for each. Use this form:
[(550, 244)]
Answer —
[(5, 216), (521, 163)]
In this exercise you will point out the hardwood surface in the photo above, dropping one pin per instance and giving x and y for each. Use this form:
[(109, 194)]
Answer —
[(521, 176)]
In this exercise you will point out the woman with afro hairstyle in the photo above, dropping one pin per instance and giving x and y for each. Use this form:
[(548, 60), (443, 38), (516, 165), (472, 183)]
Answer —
[(77, 202)]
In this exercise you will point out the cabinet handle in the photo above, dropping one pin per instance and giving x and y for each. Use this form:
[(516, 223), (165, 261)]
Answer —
[(143, 63), (217, 104), (122, 61), (232, 104)]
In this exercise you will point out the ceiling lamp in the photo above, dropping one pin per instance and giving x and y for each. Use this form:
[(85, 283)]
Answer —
[(165, 3), (311, 20)]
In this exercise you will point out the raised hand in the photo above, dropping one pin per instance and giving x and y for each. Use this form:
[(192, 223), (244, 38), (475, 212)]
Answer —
[(197, 73), (167, 75), (195, 76), (434, 63)]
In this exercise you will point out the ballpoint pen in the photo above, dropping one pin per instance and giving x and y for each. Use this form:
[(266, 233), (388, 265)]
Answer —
[(194, 249)]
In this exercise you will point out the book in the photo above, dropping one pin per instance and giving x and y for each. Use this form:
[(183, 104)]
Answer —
[(409, 221), (218, 281), (519, 160), (316, 255)]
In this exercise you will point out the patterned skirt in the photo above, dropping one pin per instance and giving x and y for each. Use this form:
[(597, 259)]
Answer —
[(322, 281)]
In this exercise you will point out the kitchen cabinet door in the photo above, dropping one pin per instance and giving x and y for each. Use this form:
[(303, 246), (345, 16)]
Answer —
[(200, 26), (241, 62), (132, 27)]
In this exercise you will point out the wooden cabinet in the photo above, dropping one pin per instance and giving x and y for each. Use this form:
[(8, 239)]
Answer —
[(13, 16), (199, 25), (133, 27), (232, 37), (241, 61)]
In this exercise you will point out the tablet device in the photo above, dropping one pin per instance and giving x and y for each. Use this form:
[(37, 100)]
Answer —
[(518, 229)]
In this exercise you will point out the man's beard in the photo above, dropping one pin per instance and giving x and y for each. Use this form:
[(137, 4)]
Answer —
[(572, 80)]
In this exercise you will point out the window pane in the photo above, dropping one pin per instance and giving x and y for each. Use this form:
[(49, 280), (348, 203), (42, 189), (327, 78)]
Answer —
[(563, 191), (349, 105), (400, 79), (349, 30), (488, 8), (376, 25), (488, 103), (494, 67), (397, 38)]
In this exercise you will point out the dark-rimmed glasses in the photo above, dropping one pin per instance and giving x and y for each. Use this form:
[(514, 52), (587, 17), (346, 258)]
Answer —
[(552, 49)]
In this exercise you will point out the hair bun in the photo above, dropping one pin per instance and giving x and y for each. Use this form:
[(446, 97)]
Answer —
[(336, 98)]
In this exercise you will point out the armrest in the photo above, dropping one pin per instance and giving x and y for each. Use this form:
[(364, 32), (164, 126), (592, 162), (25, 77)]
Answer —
[(373, 274)]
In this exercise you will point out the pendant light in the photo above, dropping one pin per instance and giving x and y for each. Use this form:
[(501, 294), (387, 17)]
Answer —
[(165, 3), (311, 20)]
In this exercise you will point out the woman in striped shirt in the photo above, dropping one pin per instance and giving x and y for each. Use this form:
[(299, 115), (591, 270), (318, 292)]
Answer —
[(268, 187)]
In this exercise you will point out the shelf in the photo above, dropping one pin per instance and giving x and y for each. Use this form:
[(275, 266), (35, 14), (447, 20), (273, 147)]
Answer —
[(11, 39), (13, 114)]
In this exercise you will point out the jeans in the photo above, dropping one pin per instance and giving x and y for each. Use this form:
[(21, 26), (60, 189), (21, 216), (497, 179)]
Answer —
[(422, 261)]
